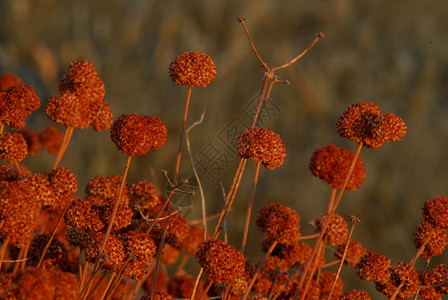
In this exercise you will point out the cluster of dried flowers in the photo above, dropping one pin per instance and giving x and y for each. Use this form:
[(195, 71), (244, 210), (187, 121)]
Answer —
[(115, 235)]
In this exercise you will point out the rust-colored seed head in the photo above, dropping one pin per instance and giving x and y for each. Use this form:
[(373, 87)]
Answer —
[(64, 184), (159, 295), (406, 275), (81, 215), (104, 190), (363, 122), (140, 244), (32, 139), (44, 190), (114, 250), (326, 281), (193, 69), (144, 194), (181, 286), (55, 252), (336, 232), (8, 174), (331, 164), (102, 117), (13, 147), (176, 232), (50, 138), (8, 80), (436, 243), (262, 145), (136, 269), (123, 217), (436, 282), (374, 267), (280, 223), (194, 238), (222, 262), (17, 103), (436, 211), (170, 254), (135, 135), (77, 237), (354, 252), (355, 295)]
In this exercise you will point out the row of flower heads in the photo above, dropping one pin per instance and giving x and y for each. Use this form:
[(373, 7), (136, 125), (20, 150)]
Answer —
[(109, 218)]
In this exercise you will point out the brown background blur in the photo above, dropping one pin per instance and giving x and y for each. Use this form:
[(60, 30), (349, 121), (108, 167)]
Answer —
[(393, 53)]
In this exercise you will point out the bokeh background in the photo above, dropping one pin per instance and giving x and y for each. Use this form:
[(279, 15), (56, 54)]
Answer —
[(393, 53)]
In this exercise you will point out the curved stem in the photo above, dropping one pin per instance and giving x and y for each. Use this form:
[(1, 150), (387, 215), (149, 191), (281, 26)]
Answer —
[(181, 140), (65, 141), (241, 20), (249, 209)]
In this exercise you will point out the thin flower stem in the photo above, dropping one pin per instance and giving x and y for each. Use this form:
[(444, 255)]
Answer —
[(241, 20), (204, 294), (53, 233), (333, 285), (260, 265), (249, 209), (313, 269), (3, 250), (64, 144), (182, 264), (196, 284), (260, 100), (319, 36), (330, 214), (181, 140), (333, 196), (204, 212)]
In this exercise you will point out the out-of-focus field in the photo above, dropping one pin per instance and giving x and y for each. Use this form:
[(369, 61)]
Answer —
[(393, 53)]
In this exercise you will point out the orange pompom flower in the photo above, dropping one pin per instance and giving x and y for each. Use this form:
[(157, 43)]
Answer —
[(193, 69), (16, 104), (135, 134)]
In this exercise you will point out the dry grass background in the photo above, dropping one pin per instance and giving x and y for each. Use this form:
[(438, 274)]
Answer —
[(393, 53)]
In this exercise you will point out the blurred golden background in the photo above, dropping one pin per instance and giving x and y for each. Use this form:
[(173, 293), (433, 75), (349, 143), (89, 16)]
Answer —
[(393, 53)]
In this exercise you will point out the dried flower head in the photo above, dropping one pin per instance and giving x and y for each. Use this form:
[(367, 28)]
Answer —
[(280, 223), (64, 184), (194, 238), (193, 69), (363, 122), (436, 283), (16, 104), (326, 281), (337, 230), (144, 194), (104, 190), (32, 139), (135, 135), (181, 286), (406, 275), (176, 231), (436, 211), (123, 217), (436, 243), (262, 145), (8, 80), (13, 147), (374, 267), (55, 252), (114, 250), (81, 215), (354, 252), (355, 295), (222, 262), (331, 164), (50, 138), (139, 244), (170, 254)]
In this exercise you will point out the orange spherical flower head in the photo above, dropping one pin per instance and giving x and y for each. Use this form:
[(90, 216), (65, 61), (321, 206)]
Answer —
[(81, 215), (354, 252), (64, 184), (44, 190), (104, 190), (181, 286), (54, 254), (51, 139), (406, 275), (363, 122), (435, 281), (140, 244), (102, 117), (193, 69), (114, 250), (8, 80), (76, 237), (144, 195), (355, 295), (135, 135), (32, 139), (436, 243), (68, 110), (123, 217), (336, 232), (280, 223), (16, 104), (135, 269), (170, 255), (176, 232), (194, 238), (436, 211), (13, 147), (161, 282), (19, 206), (326, 281), (222, 262), (374, 267), (262, 145), (331, 164), (159, 295), (8, 174)]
